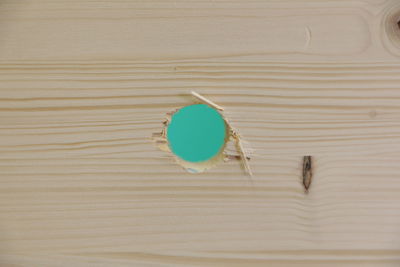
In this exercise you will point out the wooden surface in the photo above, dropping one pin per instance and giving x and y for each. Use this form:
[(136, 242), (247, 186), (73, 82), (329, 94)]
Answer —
[(84, 84)]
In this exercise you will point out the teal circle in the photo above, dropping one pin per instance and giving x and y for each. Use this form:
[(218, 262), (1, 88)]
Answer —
[(196, 133)]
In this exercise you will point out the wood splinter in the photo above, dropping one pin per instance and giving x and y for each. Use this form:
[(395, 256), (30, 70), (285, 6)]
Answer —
[(307, 172), (242, 153), (206, 101)]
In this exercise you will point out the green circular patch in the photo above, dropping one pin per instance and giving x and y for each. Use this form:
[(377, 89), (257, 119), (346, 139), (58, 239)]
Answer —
[(196, 133)]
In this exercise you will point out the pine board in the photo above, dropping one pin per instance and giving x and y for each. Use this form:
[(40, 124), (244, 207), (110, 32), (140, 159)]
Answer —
[(84, 84)]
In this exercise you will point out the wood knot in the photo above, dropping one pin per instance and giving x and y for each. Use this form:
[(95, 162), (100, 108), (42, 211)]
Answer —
[(391, 28), (307, 172)]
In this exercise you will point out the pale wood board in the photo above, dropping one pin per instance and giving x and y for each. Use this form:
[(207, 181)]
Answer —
[(84, 84)]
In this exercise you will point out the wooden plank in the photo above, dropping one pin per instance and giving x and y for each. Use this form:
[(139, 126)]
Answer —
[(84, 84)]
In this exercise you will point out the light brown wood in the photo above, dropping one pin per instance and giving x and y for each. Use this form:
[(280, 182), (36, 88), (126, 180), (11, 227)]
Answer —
[(84, 84)]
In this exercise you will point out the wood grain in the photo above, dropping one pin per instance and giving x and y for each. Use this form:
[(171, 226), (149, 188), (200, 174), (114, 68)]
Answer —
[(84, 84)]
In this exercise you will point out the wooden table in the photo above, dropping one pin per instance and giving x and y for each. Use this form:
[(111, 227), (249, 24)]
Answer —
[(84, 84)]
